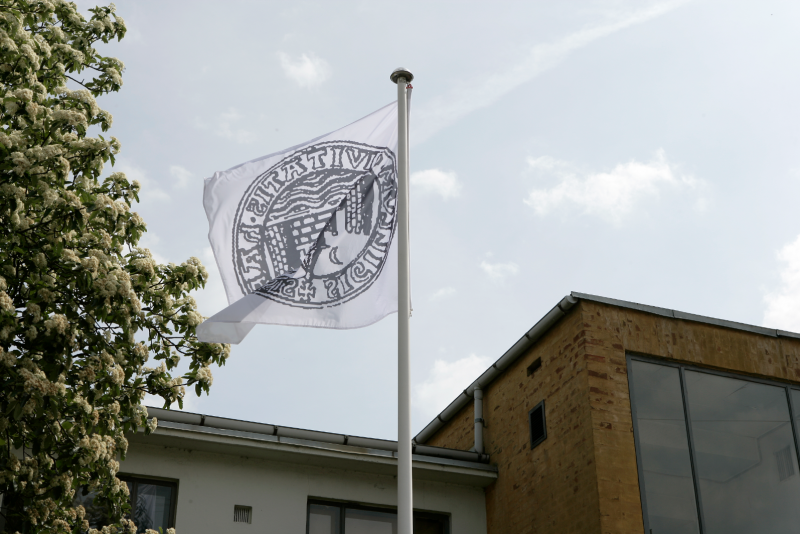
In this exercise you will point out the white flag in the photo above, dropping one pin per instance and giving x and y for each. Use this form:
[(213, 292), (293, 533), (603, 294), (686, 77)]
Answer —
[(304, 237)]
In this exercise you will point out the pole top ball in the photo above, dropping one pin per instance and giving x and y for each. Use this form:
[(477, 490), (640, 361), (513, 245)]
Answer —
[(401, 73)]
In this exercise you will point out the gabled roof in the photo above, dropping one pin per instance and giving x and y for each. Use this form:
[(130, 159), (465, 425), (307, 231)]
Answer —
[(548, 321)]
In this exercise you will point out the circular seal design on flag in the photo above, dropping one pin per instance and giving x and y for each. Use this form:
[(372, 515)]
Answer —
[(315, 229)]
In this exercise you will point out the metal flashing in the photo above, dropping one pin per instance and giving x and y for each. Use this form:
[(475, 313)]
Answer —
[(222, 426), (429, 463), (726, 324), (784, 333), (549, 320), (625, 304)]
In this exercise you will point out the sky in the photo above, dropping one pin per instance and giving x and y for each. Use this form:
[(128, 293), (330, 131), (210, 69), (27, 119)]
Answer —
[(638, 150)]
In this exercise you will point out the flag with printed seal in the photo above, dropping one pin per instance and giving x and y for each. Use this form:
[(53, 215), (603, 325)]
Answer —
[(305, 236)]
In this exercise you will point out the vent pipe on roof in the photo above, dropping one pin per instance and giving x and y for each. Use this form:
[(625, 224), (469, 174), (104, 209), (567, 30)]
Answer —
[(478, 396)]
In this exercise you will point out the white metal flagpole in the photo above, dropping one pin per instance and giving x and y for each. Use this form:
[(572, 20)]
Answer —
[(405, 495)]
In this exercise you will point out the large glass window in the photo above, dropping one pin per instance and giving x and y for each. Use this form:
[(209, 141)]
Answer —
[(344, 518), (745, 455), (716, 443), (665, 463)]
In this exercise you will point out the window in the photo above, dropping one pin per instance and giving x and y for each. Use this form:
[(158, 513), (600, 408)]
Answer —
[(153, 504), (717, 453), (665, 467), (345, 518), (537, 425)]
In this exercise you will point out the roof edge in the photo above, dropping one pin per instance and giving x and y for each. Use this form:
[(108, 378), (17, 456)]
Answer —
[(224, 423), (548, 321), (531, 336)]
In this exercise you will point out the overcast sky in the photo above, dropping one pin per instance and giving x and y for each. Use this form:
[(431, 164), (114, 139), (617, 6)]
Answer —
[(644, 151)]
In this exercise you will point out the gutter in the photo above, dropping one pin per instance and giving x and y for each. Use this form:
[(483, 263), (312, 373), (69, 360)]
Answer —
[(547, 322), (224, 423), (518, 349)]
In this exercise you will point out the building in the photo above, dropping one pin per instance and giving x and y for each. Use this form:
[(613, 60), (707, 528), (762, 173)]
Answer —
[(610, 416), (605, 417), (210, 474)]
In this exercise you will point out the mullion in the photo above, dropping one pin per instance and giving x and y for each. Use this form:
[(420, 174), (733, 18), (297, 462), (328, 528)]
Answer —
[(692, 452), (639, 461), (794, 429)]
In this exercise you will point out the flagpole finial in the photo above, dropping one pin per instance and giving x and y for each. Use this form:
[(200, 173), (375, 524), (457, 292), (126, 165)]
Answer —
[(401, 73)]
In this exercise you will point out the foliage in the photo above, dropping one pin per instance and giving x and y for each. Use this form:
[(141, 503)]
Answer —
[(81, 307)]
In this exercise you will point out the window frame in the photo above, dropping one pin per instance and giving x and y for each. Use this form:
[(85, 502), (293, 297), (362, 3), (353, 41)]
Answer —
[(344, 505), (787, 385), (540, 440), (136, 479)]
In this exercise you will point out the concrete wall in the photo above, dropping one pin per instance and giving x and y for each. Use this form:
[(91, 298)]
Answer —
[(209, 485), (583, 477)]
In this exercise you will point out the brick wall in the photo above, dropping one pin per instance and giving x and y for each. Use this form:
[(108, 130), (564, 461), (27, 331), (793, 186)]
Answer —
[(583, 477), (551, 489), (611, 331)]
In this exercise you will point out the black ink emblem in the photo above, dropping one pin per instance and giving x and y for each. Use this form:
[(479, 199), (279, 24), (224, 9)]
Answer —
[(314, 230)]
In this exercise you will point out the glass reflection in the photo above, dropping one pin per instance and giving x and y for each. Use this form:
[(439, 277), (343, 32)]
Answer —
[(96, 515), (745, 459), (664, 449), (323, 519), (369, 522), (153, 506)]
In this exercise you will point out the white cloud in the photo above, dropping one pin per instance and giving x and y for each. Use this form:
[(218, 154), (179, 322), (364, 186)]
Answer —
[(444, 111), (182, 176), (783, 305), (609, 194), (307, 70), (445, 381), (443, 293), (499, 271), (442, 183), (224, 127), (149, 188)]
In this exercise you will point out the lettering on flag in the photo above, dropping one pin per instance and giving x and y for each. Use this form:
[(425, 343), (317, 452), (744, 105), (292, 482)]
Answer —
[(314, 230)]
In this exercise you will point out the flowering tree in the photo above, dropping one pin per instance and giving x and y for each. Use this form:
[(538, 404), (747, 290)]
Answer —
[(82, 309)]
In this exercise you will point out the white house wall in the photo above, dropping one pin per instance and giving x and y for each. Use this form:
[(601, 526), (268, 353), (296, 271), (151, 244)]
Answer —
[(210, 484)]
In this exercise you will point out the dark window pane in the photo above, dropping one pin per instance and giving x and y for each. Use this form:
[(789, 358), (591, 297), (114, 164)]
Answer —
[(326, 519), (664, 449), (323, 519), (13, 518), (537, 425), (796, 407), (745, 455), (430, 525), (369, 522), (153, 506), (96, 514)]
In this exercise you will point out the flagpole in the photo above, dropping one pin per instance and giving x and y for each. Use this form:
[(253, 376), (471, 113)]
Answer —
[(405, 495)]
